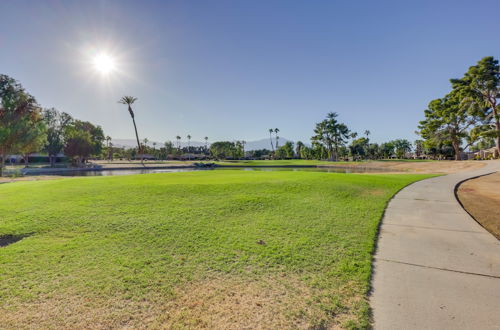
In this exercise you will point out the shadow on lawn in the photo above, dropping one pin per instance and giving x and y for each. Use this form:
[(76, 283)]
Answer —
[(10, 239)]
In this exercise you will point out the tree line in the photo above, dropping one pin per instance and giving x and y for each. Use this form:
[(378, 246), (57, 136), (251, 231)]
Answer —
[(468, 116), (332, 140), (25, 127)]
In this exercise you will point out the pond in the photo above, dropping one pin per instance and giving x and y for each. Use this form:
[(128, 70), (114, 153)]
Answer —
[(191, 169)]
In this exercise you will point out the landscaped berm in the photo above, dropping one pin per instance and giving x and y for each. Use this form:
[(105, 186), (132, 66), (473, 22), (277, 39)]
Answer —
[(228, 249)]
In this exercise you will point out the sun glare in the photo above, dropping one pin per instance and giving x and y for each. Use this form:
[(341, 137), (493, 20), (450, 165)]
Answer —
[(104, 64)]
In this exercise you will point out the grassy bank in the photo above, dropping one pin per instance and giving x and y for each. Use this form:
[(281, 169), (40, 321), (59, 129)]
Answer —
[(306, 162), (198, 249), (277, 162)]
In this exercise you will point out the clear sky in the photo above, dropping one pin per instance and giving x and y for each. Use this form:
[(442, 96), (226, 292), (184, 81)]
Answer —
[(233, 69)]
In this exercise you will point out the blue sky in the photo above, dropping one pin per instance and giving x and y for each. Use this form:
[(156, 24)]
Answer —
[(233, 69)]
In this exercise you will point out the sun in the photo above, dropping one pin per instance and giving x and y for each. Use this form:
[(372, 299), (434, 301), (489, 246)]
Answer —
[(104, 63)]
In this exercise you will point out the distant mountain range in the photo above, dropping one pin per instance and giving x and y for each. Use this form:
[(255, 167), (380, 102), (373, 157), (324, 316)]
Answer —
[(250, 145)]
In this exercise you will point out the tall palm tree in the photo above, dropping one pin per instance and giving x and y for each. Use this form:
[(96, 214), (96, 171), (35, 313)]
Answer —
[(178, 138), (154, 149), (276, 130), (367, 132), (111, 151), (206, 143), (168, 148), (129, 100), (144, 146), (108, 140), (271, 138), (189, 146)]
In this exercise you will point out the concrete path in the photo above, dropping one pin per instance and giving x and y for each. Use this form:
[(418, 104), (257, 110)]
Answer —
[(435, 267)]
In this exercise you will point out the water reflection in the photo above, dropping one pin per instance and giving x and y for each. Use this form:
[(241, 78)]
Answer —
[(174, 170)]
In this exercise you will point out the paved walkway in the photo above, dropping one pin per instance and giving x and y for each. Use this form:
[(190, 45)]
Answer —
[(435, 267)]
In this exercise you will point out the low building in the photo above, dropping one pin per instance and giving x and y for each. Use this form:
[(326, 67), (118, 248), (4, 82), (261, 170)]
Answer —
[(486, 153)]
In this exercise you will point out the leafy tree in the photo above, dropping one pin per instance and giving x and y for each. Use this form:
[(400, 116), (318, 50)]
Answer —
[(447, 119), (402, 146), (306, 153), (331, 135), (419, 147), (83, 140), (358, 148), (373, 151), (280, 153), (438, 149), (285, 151), (109, 151), (19, 116), (169, 148), (259, 153), (298, 148), (224, 150), (319, 151), (239, 150), (387, 149), (34, 140), (276, 131), (56, 123), (178, 138), (242, 142), (129, 100), (483, 143), (481, 85)]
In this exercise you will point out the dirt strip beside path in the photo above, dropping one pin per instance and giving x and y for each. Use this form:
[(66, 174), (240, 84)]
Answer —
[(481, 198)]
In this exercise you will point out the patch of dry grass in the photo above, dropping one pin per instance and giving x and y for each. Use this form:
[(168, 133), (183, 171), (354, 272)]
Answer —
[(481, 198), (223, 302)]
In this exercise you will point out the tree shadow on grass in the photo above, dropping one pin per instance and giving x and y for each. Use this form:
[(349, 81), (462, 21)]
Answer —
[(10, 239)]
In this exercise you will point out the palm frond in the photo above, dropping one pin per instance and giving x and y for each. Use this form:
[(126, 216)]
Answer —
[(127, 100)]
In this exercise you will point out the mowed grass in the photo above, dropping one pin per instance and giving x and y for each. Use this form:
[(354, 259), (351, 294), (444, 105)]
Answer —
[(214, 249), (278, 162), (307, 162)]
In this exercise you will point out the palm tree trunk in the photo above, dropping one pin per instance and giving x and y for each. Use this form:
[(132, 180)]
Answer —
[(137, 138)]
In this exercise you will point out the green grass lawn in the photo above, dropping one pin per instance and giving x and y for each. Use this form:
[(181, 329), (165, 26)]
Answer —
[(217, 249), (278, 162), (299, 162)]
